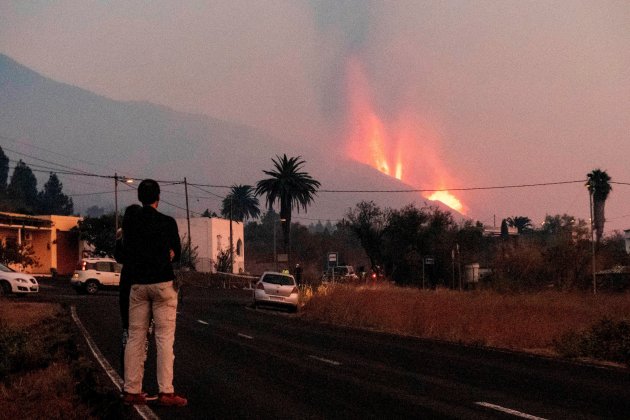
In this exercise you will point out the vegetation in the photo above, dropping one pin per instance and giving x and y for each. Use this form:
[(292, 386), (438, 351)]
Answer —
[(189, 255), (289, 186), (224, 261), (606, 340), (4, 172), (51, 200), (599, 188), (309, 246), (99, 233), (549, 323), (12, 253), (240, 204), (367, 221), (43, 372), (22, 190), (20, 195)]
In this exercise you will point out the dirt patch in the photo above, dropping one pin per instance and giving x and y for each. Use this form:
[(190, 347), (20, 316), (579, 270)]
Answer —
[(27, 314)]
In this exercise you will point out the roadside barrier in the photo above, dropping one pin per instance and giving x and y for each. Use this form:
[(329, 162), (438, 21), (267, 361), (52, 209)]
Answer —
[(216, 280)]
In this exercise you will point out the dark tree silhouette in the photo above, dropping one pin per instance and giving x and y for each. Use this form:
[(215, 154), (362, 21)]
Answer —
[(22, 190), (289, 186), (51, 200), (598, 184)]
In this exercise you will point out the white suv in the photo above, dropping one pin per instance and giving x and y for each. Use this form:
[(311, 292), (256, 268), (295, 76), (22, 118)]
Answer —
[(93, 274), (12, 281)]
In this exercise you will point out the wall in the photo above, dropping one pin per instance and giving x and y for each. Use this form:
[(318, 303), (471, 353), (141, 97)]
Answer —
[(210, 235)]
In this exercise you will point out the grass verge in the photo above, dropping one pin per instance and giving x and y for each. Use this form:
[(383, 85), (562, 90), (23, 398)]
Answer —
[(42, 370), (550, 323)]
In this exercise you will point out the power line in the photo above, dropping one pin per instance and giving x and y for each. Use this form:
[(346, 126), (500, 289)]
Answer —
[(542, 184), (17, 141)]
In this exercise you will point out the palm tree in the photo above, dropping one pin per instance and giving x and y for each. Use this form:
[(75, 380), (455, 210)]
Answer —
[(598, 184), (290, 187), (521, 223), (239, 204)]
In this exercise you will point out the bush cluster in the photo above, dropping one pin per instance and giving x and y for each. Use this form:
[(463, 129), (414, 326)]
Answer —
[(606, 340)]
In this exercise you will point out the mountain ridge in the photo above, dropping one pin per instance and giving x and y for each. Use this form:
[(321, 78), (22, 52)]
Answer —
[(143, 139)]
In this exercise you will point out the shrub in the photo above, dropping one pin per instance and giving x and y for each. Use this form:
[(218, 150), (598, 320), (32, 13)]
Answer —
[(606, 340)]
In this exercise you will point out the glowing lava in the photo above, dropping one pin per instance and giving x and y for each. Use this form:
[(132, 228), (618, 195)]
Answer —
[(448, 199), (403, 143)]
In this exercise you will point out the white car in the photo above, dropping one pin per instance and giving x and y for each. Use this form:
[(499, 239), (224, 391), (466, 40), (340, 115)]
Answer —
[(277, 289), (93, 274), (12, 281)]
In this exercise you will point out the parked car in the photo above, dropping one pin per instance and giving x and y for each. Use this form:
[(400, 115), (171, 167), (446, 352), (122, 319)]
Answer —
[(12, 281), (93, 274), (343, 273), (276, 289)]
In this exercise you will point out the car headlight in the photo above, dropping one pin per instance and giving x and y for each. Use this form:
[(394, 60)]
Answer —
[(21, 281)]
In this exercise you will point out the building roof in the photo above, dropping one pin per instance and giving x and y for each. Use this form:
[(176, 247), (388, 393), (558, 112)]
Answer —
[(24, 220)]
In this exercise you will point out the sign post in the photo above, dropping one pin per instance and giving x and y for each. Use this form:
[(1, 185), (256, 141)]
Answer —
[(429, 260), (333, 259)]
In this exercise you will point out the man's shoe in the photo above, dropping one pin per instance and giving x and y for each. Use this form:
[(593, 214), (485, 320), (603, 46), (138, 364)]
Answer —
[(171, 399), (134, 399)]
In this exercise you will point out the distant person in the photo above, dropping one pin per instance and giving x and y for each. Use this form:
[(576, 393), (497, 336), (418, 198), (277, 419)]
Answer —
[(298, 274), (151, 244)]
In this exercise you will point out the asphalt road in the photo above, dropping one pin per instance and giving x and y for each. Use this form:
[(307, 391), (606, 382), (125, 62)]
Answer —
[(236, 362)]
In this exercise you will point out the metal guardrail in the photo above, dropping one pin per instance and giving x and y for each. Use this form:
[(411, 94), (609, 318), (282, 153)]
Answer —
[(216, 280)]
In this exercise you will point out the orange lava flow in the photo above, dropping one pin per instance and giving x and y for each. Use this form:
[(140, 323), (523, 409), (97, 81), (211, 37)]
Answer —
[(402, 148)]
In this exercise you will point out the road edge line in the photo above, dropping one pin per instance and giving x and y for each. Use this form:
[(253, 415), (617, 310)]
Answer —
[(144, 411), (509, 411)]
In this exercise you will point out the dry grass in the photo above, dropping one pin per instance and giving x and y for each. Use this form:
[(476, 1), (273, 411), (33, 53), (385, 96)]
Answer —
[(26, 314), (45, 393), (42, 372), (526, 322)]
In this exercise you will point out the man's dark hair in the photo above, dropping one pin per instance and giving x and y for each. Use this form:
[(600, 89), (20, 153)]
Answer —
[(148, 192)]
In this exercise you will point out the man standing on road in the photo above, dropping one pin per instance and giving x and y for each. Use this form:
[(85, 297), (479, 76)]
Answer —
[(151, 244)]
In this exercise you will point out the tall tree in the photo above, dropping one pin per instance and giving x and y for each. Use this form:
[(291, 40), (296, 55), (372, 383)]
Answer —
[(4, 172), (521, 223), (368, 222), (291, 187), (598, 184), (241, 203), (98, 232), (52, 200), (22, 190)]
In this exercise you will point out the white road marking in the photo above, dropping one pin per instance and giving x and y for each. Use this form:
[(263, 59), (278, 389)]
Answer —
[(144, 411), (509, 411), (321, 359), (202, 322), (249, 337)]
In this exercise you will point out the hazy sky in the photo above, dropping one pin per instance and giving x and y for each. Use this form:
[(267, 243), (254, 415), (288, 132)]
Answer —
[(498, 92)]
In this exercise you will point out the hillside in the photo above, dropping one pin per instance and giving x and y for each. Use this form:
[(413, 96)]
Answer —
[(140, 139)]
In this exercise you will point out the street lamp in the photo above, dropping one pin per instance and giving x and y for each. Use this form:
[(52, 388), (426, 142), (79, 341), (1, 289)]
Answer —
[(117, 179), (275, 253)]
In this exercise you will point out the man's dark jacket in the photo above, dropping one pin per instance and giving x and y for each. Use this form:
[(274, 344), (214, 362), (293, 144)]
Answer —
[(147, 244)]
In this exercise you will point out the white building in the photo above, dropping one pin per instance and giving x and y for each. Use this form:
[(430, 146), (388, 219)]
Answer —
[(210, 236)]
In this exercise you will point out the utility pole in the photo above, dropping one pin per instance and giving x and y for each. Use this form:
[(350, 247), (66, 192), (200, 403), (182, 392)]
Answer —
[(231, 240), (590, 196), (275, 252), (116, 202), (187, 215)]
